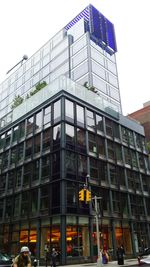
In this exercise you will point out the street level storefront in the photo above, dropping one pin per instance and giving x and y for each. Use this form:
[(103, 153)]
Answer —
[(80, 240)]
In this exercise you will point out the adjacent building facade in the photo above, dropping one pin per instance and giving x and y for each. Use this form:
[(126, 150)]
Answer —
[(143, 116), (64, 132)]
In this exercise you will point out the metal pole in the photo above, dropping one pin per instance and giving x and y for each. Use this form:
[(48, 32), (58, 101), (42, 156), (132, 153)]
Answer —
[(99, 260)]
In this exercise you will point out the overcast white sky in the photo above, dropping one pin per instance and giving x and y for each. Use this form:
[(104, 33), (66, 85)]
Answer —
[(26, 25)]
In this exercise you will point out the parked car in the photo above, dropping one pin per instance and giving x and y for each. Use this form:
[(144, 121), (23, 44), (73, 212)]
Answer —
[(5, 260), (144, 256)]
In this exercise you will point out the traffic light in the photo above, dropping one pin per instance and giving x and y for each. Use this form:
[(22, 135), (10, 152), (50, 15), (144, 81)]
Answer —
[(88, 196), (81, 195)]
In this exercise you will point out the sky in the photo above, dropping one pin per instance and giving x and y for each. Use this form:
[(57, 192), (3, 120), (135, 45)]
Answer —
[(26, 25)]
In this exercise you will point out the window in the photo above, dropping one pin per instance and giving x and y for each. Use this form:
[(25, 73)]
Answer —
[(124, 135), (57, 111), (20, 152), (56, 136), (92, 144), (47, 117), (5, 160), (94, 171), (70, 164), (81, 141), (13, 158), (21, 129), (8, 138), (90, 120), (27, 175), (37, 144), (109, 127), (46, 140), (34, 201), (141, 160), (69, 110), (111, 150), (15, 134), (118, 151), (134, 159), (127, 155), (11, 179), (131, 138), (46, 167), (8, 211), (18, 178), (113, 175), (82, 166), (30, 125), (36, 166), (28, 150), (71, 197), (38, 121), (16, 206), (56, 163), (100, 141), (70, 136), (80, 115), (25, 204), (2, 141), (116, 202), (44, 199), (2, 183)]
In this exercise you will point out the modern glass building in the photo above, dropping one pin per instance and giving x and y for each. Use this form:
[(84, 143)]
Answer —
[(62, 133)]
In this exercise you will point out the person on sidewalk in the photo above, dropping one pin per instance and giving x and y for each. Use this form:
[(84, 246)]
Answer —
[(54, 257), (120, 255), (23, 259)]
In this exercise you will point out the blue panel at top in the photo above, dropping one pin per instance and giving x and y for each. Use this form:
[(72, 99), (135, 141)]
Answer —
[(111, 35), (95, 23), (103, 29)]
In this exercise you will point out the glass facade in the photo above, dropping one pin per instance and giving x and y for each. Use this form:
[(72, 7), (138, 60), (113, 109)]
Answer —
[(45, 157)]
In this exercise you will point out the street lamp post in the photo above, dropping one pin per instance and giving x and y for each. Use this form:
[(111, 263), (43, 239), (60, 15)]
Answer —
[(25, 57), (99, 259)]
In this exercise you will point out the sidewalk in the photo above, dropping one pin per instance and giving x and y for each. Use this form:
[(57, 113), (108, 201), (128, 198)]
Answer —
[(127, 262)]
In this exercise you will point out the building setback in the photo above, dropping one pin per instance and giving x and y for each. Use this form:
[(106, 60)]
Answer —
[(60, 134)]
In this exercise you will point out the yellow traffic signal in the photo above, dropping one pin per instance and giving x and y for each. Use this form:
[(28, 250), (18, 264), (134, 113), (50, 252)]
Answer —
[(88, 196), (81, 195)]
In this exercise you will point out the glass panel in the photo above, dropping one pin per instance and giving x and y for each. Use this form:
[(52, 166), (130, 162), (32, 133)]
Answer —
[(70, 136), (81, 141), (30, 125), (38, 121), (99, 124), (28, 149), (56, 136), (57, 111), (44, 199), (47, 117), (46, 168), (46, 140), (90, 120), (80, 115), (69, 110), (37, 144)]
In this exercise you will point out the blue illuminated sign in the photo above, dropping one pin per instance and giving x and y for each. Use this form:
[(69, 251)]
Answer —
[(101, 29)]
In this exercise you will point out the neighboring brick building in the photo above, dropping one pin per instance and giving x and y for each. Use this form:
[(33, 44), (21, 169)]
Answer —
[(143, 116)]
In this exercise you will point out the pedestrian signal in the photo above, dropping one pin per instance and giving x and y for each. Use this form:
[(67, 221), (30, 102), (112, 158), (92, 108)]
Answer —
[(88, 196), (81, 195)]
